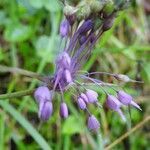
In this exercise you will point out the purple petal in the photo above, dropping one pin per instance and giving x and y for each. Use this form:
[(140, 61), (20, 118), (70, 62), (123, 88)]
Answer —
[(63, 110), (124, 98), (92, 96), (42, 93), (112, 102), (64, 28), (86, 26), (68, 76), (84, 97), (135, 105), (93, 123), (45, 110), (81, 103)]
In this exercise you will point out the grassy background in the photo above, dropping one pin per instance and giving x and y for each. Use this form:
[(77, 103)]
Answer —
[(29, 40)]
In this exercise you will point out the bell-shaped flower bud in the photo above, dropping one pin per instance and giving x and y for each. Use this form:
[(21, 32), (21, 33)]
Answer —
[(45, 110), (42, 93), (63, 110), (113, 103), (92, 96), (127, 99), (93, 123), (68, 76), (64, 28), (84, 97), (81, 103), (86, 26)]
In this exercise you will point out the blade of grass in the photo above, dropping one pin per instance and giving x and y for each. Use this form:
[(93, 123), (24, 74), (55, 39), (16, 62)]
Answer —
[(25, 124), (2, 130)]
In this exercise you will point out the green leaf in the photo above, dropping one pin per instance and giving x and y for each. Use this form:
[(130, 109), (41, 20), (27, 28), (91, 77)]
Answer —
[(25, 124), (146, 72), (36, 3), (17, 32), (72, 126), (51, 5), (42, 46)]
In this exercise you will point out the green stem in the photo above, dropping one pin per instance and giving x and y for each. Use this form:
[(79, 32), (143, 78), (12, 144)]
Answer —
[(20, 71), (17, 94)]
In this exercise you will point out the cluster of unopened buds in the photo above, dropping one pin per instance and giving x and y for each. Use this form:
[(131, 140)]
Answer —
[(78, 37)]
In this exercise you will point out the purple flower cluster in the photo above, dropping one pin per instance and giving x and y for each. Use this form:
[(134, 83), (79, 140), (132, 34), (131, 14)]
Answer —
[(79, 38)]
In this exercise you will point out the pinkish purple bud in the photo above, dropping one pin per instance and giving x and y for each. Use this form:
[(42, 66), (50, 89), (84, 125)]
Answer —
[(81, 103), (64, 28), (93, 123), (124, 98), (127, 99), (68, 76), (84, 97), (42, 93), (92, 96), (113, 103), (45, 110), (63, 110)]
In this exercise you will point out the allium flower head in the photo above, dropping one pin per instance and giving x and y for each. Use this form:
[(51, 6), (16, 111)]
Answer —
[(82, 27)]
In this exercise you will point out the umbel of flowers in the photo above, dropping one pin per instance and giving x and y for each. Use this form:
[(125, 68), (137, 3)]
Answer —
[(84, 23)]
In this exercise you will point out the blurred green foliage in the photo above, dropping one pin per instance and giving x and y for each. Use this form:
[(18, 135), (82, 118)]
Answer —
[(29, 39)]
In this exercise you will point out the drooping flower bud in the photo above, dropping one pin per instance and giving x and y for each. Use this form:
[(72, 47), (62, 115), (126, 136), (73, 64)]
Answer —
[(84, 97), (113, 103), (93, 123), (63, 110), (68, 76), (81, 103), (64, 28), (42, 93), (86, 26), (45, 110), (127, 99), (92, 96)]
